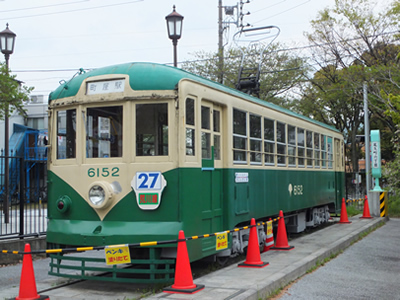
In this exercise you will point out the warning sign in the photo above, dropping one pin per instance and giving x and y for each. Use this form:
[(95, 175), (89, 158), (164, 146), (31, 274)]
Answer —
[(117, 254), (269, 227), (222, 241)]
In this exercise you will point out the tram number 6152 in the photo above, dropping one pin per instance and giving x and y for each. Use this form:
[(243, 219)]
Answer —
[(103, 172), (298, 190)]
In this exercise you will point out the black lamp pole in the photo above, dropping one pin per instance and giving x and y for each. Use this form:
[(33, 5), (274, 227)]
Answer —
[(174, 27), (7, 41)]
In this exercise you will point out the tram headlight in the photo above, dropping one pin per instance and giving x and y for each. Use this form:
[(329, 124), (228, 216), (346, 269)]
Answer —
[(100, 195)]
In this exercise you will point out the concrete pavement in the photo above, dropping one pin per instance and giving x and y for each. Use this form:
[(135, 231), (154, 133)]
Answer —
[(231, 282)]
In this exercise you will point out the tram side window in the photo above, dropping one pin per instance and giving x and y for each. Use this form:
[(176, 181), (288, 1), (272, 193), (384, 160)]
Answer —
[(281, 143), (152, 129), (205, 132), (292, 145), (324, 157), (190, 127), (300, 147), (309, 146), (330, 152), (342, 153), (104, 132), (317, 150), (217, 134), (239, 136), (66, 134), (269, 141), (255, 139)]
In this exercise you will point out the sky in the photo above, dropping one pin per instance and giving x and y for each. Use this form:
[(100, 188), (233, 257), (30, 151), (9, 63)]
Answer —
[(55, 38)]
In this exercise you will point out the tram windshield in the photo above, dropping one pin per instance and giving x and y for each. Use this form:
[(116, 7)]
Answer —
[(66, 134), (104, 132), (151, 129), (103, 128)]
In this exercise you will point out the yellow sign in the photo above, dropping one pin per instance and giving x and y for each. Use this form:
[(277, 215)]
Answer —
[(222, 241), (269, 227), (117, 254)]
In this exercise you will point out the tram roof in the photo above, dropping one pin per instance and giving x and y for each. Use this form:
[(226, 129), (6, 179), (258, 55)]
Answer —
[(153, 76)]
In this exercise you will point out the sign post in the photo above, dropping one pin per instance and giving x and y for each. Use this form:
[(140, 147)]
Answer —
[(376, 171)]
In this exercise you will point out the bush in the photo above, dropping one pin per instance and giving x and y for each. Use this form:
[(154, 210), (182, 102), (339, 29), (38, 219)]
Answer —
[(394, 206)]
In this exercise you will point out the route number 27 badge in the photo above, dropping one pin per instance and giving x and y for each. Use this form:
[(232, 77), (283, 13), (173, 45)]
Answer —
[(148, 187)]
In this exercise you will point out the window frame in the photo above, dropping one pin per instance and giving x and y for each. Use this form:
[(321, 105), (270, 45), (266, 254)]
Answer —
[(255, 139), (281, 143), (240, 136)]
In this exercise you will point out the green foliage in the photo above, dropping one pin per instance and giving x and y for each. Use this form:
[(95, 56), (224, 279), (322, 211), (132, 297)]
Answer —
[(394, 206), (353, 210), (354, 44), (391, 172), (12, 94), (280, 70), (393, 111)]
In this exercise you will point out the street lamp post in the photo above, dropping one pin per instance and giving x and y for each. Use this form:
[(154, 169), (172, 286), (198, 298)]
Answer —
[(174, 27), (7, 41)]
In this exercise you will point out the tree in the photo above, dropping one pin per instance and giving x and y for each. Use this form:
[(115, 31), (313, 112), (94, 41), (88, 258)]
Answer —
[(12, 94), (333, 99), (281, 72), (391, 170), (352, 44)]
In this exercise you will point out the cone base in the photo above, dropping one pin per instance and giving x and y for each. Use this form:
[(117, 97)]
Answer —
[(282, 248), (366, 217), (194, 290), (40, 297), (247, 265)]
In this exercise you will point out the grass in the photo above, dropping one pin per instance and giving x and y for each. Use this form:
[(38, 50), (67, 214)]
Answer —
[(394, 206), (353, 210)]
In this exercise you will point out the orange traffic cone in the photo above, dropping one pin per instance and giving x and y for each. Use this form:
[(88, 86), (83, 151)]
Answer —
[(343, 214), (366, 214), (281, 239), (269, 239), (27, 286), (253, 257), (183, 283)]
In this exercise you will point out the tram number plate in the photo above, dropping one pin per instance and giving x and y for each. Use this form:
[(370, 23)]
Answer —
[(148, 181)]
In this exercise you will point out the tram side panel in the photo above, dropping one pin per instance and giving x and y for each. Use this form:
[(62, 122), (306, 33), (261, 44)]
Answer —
[(263, 193)]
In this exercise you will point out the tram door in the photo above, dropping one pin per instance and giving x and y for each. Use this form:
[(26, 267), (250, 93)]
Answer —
[(212, 175)]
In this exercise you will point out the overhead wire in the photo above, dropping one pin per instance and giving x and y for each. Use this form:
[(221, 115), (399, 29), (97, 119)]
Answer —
[(43, 6), (210, 59), (69, 11), (289, 9)]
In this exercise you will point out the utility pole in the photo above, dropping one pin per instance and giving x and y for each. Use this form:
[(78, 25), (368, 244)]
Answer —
[(230, 18), (367, 143), (220, 44)]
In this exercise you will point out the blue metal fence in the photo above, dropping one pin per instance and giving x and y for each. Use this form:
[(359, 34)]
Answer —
[(26, 212)]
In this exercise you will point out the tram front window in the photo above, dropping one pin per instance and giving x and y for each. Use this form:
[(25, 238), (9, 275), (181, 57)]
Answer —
[(104, 132), (152, 129), (66, 134)]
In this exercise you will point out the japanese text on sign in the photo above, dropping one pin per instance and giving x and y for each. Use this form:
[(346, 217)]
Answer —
[(222, 241), (269, 228), (117, 254), (375, 154), (105, 87), (241, 177)]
